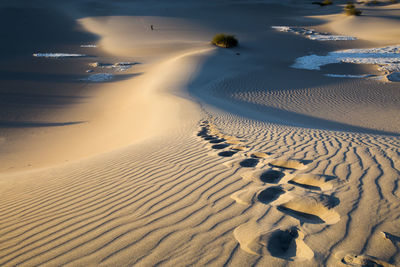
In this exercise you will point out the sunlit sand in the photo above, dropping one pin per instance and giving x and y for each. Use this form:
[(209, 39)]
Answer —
[(128, 139)]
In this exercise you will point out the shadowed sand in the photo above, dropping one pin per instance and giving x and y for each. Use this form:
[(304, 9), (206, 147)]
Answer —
[(197, 156)]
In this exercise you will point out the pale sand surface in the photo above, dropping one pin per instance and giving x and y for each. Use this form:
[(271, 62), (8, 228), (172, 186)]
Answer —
[(197, 155)]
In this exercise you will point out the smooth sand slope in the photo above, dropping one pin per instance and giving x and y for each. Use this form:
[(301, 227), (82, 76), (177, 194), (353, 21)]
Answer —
[(198, 155)]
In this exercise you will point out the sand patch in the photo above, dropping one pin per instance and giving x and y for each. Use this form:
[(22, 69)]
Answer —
[(312, 181), (246, 196), (99, 77), (58, 55), (88, 46), (314, 35), (386, 58), (258, 155), (119, 66), (312, 209), (349, 76), (288, 164), (240, 148)]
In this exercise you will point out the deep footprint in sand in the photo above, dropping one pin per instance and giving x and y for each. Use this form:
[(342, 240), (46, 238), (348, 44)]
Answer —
[(282, 244), (314, 210), (270, 194), (271, 176), (286, 244), (312, 181), (249, 163), (290, 164), (363, 260), (227, 154), (217, 141), (219, 146), (203, 132)]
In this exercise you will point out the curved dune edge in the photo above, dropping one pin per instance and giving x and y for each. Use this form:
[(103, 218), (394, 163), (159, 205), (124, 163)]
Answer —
[(124, 112)]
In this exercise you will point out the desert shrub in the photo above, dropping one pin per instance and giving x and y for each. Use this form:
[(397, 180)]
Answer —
[(323, 3), (224, 40), (351, 10)]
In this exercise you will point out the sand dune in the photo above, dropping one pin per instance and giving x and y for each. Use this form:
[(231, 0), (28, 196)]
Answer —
[(201, 156)]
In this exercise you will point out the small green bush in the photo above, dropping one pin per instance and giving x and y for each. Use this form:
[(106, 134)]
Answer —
[(351, 10), (224, 40), (323, 3)]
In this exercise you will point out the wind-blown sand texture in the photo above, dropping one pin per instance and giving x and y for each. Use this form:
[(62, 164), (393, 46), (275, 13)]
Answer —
[(185, 154)]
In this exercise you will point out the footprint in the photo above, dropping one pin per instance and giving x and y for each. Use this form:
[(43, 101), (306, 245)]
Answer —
[(270, 194), (312, 181), (363, 260), (288, 164), (203, 132), (217, 141), (266, 176), (249, 163), (271, 176), (314, 210), (219, 146), (242, 163), (286, 244), (227, 154)]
